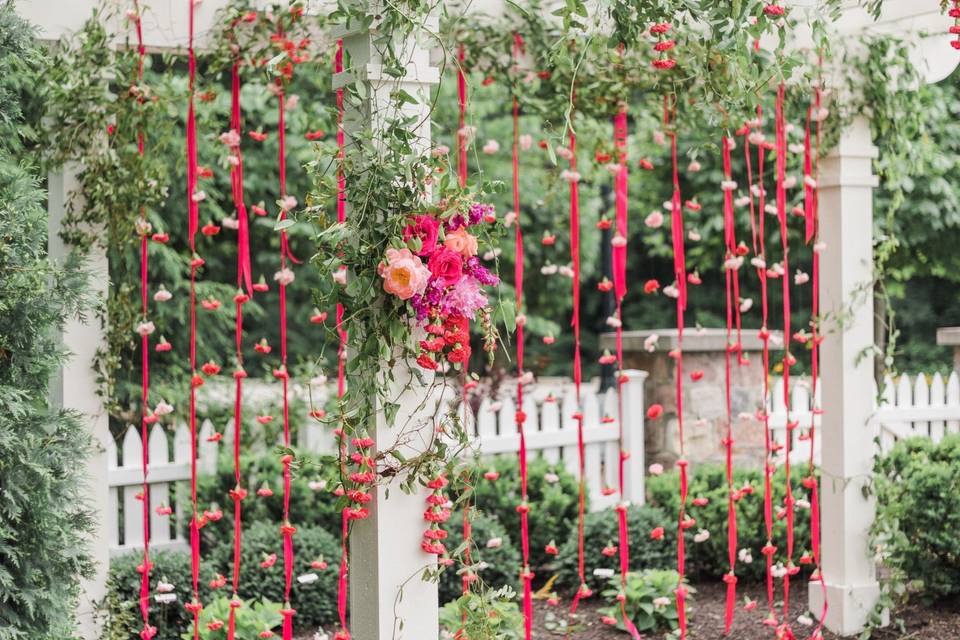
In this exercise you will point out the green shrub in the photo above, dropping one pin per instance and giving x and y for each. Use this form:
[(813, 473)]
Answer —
[(307, 507), (316, 602), (553, 511), (602, 528), (650, 604), (251, 619), (502, 563), (44, 516), (708, 559), (917, 485), (120, 609), (492, 615)]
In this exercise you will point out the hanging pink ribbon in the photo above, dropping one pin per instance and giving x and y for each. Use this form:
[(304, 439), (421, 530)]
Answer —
[(619, 259), (680, 272), (342, 581), (729, 231), (195, 263), (146, 415)]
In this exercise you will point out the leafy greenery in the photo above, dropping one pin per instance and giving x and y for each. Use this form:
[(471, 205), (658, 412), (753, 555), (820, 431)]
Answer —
[(649, 600), (916, 486), (316, 601), (120, 611), (708, 559), (252, 618), (492, 615), (601, 530), (44, 516), (495, 567), (554, 504)]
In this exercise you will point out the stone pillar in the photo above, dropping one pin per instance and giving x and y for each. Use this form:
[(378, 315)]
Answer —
[(950, 337), (704, 402), (75, 387), (846, 300), (389, 599)]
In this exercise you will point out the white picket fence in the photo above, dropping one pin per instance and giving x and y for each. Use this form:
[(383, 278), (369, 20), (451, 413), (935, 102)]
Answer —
[(907, 407), (551, 432)]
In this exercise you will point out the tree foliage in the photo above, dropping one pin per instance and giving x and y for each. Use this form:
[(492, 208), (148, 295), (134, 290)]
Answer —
[(43, 513)]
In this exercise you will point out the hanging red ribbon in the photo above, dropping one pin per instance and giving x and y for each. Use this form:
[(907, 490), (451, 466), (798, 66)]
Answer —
[(287, 530), (680, 272), (781, 142), (525, 573), (342, 578), (732, 295), (146, 416), (811, 479), (583, 591), (619, 259), (196, 262), (243, 278)]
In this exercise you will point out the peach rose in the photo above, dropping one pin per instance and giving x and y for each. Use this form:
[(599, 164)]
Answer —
[(404, 275), (460, 241)]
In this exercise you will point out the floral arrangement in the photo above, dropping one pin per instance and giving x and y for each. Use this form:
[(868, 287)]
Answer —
[(438, 272)]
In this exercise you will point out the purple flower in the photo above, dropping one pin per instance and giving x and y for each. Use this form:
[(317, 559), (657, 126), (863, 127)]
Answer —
[(473, 268)]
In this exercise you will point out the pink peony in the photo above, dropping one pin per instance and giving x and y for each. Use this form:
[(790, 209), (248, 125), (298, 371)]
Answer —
[(460, 241), (426, 228), (403, 274), (446, 266)]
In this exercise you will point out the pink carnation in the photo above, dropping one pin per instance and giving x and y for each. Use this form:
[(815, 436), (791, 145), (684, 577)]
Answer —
[(427, 229), (446, 266), (403, 274)]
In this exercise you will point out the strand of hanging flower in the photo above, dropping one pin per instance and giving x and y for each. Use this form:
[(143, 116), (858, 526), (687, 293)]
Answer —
[(343, 632), (788, 359), (238, 493), (468, 575), (145, 328), (754, 135), (811, 180), (573, 178), (284, 277), (733, 260), (619, 259), (680, 275), (196, 262), (954, 12), (523, 508)]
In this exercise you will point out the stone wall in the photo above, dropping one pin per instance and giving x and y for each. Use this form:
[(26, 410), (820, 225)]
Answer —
[(704, 400)]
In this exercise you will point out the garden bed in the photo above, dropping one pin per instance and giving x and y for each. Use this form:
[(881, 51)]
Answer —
[(937, 622)]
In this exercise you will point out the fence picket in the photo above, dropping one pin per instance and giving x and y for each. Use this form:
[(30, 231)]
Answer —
[(937, 399), (549, 424), (131, 452), (953, 400)]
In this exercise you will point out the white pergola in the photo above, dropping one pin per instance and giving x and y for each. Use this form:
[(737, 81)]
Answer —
[(385, 561)]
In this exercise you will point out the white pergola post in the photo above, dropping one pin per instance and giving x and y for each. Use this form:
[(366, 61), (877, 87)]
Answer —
[(389, 599), (75, 388), (846, 299)]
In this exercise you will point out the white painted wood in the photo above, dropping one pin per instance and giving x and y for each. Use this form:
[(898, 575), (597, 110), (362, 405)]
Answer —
[(634, 414), (937, 399), (568, 424), (847, 508), (131, 451), (953, 400), (550, 423), (159, 457)]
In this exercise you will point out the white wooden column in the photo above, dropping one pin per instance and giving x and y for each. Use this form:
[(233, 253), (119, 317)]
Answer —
[(846, 299), (388, 598), (75, 388)]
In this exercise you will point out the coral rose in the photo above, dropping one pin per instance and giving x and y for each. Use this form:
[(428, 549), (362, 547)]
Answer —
[(462, 242), (403, 274)]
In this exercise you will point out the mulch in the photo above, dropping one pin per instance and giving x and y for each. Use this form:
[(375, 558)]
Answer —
[(940, 621), (937, 622)]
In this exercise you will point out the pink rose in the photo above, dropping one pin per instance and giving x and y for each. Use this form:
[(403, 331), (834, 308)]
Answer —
[(427, 229), (446, 266), (403, 274), (461, 242)]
